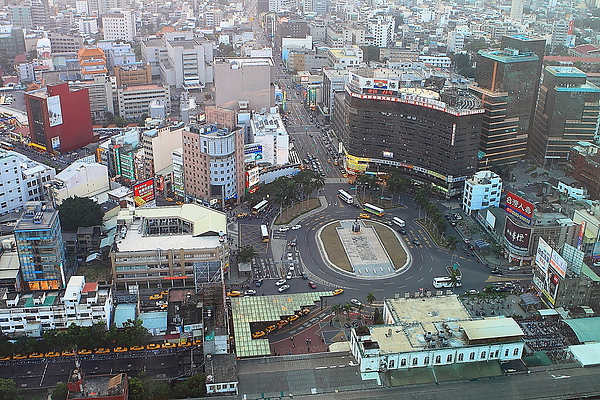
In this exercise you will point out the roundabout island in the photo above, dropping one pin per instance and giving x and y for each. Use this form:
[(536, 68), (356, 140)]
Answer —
[(363, 249)]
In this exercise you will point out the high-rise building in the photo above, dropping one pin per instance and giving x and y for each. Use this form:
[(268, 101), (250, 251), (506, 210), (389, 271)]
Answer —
[(59, 118), (506, 80), (516, 10), (289, 28), (429, 136), (159, 144), (119, 26), (382, 28), (213, 161), (567, 112), (41, 247), (248, 80)]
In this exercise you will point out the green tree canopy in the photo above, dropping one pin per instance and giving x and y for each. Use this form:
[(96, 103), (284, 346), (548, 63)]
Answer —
[(60, 392), (121, 122), (8, 390), (79, 211)]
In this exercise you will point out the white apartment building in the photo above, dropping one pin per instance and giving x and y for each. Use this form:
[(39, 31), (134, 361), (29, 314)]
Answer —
[(481, 191), (178, 181), (456, 42), (154, 52), (81, 303), (119, 26), (185, 62), (134, 101), (117, 53), (21, 180), (381, 28), (436, 61), (268, 130), (433, 331), (159, 145), (344, 57), (81, 179)]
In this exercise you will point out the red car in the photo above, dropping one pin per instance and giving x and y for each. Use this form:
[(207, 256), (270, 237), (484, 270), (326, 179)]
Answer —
[(312, 285)]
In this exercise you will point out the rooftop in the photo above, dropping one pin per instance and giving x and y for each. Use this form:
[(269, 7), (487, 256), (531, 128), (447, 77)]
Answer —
[(37, 215)]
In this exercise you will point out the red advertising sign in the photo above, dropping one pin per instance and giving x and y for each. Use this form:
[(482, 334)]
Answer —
[(518, 207), (143, 192), (517, 236)]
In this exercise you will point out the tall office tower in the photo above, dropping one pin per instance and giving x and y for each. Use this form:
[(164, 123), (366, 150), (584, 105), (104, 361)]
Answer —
[(213, 163), (507, 80), (567, 112), (40, 13), (41, 247), (516, 10)]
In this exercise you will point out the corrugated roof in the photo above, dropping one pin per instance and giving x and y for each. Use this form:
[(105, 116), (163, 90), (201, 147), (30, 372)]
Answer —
[(586, 354), (490, 328), (586, 329)]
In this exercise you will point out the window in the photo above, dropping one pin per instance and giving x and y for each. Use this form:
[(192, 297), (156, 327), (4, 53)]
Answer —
[(449, 358), (415, 361), (472, 355), (403, 362), (392, 364), (426, 360), (506, 353), (438, 359), (483, 354), (516, 352), (461, 357)]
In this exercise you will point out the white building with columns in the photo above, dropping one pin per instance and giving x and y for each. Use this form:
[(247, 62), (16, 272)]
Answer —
[(433, 331)]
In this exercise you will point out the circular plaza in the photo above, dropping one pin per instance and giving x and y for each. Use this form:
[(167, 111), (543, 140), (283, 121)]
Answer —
[(363, 249)]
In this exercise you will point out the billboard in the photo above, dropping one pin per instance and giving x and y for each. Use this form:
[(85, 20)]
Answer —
[(143, 192), (517, 236), (54, 110), (252, 177), (543, 254), (558, 264), (55, 143), (518, 207), (253, 152)]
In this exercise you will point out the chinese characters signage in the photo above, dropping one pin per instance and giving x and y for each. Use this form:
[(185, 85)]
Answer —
[(143, 192), (522, 209), (517, 236)]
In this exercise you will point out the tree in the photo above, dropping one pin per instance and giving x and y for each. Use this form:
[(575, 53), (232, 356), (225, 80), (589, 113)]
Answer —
[(8, 390), (336, 308), (60, 392), (377, 318), (371, 298), (79, 211), (451, 244), (370, 53), (191, 387), (136, 389), (454, 278), (121, 122), (246, 254)]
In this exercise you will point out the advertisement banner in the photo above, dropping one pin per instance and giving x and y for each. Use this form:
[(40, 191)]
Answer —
[(143, 192), (253, 176), (253, 152), (55, 143), (519, 207), (54, 110), (543, 254), (558, 264), (517, 236)]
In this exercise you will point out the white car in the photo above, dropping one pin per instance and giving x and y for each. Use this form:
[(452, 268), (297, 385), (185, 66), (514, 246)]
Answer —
[(296, 227), (289, 275), (355, 302), (283, 288), (280, 282), (249, 292), (284, 229)]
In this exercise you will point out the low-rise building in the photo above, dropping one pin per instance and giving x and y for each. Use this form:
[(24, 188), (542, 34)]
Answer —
[(482, 190), (433, 331), (80, 179), (133, 74), (92, 61), (81, 303), (175, 244), (583, 164), (269, 131)]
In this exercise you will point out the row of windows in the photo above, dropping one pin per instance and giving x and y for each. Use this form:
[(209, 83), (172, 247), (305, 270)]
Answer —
[(449, 357)]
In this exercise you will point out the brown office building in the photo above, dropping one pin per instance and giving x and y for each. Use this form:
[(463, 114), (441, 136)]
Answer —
[(133, 75), (429, 136), (584, 165)]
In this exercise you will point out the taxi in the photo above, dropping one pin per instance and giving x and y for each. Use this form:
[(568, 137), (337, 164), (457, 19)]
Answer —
[(338, 291), (364, 216), (157, 296), (258, 334), (184, 344), (36, 355), (153, 346), (165, 292), (5, 358), (168, 345), (293, 318), (137, 348), (197, 342), (120, 349), (52, 354), (101, 350), (84, 352), (270, 328), (19, 357), (234, 293), (67, 353)]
